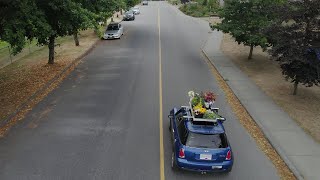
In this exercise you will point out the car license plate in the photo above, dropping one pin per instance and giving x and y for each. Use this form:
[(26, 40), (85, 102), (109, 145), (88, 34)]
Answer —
[(205, 156), (216, 167)]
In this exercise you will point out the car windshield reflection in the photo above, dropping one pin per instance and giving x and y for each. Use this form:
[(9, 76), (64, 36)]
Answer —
[(112, 28)]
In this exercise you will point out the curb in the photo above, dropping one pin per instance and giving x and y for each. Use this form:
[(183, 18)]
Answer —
[(47, 85), (265, 132)]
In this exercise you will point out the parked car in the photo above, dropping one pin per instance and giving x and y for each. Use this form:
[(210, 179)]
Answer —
[(200, 146), (129, 16), (135, 10), (145, 3), (114, 31)]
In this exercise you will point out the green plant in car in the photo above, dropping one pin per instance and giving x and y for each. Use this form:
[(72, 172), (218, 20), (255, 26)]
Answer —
[(210, 115)]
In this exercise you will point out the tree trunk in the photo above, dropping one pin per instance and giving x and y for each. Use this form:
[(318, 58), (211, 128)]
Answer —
[(51, 49), (295, 88), (76, 39), (251, 50)]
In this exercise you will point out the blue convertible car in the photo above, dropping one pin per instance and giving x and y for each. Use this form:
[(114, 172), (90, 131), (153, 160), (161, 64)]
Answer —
[(200, 146)]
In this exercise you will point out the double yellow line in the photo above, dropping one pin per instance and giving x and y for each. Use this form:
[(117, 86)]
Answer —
[(162, 177)]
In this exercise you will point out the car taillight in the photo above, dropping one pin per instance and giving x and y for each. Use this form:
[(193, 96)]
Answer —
[(228, 157), (181, 153)]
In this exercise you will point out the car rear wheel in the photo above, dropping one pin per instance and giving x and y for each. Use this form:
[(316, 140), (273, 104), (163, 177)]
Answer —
[(174, 165), (228, 170)]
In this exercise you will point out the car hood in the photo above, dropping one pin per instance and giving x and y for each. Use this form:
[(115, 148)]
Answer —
[(112, 32)]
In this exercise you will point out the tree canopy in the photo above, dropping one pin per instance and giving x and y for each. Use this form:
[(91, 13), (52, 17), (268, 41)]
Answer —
[(245, 19), (22, 20), (295, 37)]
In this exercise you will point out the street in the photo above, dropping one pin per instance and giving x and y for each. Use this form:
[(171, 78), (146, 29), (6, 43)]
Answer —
[(102, 122)]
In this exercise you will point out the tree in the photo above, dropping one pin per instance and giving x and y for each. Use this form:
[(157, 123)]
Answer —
[(131, 3), (244, 20), (21, 20), (44, 21), (121, 5), (295, 39), (102, 9), (60, 15), (81, 20)]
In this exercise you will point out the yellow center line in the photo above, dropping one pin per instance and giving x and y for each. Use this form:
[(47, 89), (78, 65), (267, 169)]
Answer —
[(162, 177)]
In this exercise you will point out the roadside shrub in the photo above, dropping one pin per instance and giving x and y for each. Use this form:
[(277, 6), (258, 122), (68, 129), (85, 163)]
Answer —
[(200, 9), (174, 2)]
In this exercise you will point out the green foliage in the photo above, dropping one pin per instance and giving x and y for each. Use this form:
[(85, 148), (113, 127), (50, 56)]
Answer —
[(195, 100), (174, 2), (295, 38), (102, 9), (210, 115), (200, 8), (24, 20), (100, 31), (131, 3), (81, 18), (21, 20), (245, 19), (3, 44)]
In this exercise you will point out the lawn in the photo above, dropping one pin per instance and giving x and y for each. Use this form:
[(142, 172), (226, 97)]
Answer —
[(5, 57), (303, 108), (200, 8), (3, 44)]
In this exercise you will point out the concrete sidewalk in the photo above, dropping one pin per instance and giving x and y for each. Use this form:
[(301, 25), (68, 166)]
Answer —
[(297, 149)]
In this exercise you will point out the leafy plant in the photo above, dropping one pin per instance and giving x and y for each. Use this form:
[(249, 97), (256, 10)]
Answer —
[(195, 100), (200, 8), (210, 115)]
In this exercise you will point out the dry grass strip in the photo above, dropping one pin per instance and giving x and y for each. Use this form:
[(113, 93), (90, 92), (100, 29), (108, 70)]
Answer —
[(250, 125), (21, 114)]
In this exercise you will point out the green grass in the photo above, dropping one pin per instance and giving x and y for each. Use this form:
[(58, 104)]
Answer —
[(200, 8), (3, 44), (32, 50)]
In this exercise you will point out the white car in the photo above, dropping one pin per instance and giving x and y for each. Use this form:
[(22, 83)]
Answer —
[(135, 10), (144, 2), (114, 31)]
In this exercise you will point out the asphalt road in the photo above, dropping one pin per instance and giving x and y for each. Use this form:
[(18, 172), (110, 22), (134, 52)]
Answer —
[(103, 120)]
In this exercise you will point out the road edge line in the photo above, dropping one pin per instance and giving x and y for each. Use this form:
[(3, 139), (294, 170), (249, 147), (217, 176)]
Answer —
[(162, 176)]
